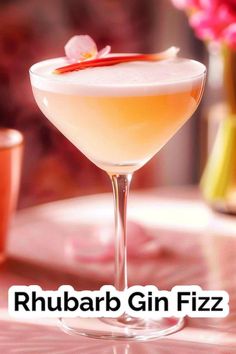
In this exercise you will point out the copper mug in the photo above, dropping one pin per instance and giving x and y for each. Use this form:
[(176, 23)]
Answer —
[(11, 151)]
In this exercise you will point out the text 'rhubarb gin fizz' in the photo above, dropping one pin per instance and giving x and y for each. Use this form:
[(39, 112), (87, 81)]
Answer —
[(119, 116)]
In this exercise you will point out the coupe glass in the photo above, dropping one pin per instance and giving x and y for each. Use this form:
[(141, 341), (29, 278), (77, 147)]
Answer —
[(119, 128)]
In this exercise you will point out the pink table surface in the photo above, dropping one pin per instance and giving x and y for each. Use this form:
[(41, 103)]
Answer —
[(191, 245)]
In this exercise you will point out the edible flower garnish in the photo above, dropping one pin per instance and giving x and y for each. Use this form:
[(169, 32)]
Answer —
[(83, 47), (83, 51)]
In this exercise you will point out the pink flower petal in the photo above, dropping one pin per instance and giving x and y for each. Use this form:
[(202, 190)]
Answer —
[(186, 4), (211, 18), (80, 48), (209, 24), (229, 36), (104, 51)]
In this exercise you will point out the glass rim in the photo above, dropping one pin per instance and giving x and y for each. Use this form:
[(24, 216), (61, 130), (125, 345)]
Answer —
[(32, 71), (10, 138)]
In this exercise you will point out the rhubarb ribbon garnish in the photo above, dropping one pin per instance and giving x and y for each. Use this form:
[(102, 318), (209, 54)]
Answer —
[(84, 50)]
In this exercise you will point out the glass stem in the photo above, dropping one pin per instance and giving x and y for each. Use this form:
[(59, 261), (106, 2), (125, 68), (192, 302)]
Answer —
[(120, 185)]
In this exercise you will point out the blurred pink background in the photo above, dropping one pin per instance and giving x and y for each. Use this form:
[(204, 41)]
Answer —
[(34, 30)]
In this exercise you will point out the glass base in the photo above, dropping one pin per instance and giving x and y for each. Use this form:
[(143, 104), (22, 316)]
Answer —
[(122, 328)]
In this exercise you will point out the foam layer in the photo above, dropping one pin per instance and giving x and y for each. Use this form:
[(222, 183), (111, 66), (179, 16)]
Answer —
[(133, 78)]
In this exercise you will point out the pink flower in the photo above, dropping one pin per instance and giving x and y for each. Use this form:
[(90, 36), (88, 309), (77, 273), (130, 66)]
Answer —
[(210, 24), (183, 4), (83, 47), (229, 35), (202, 4), (211, 19)]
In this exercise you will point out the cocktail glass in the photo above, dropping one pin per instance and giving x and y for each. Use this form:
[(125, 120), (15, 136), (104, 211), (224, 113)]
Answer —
[(120, 122)]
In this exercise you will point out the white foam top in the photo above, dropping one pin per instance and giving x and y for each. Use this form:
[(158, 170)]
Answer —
[(131, 78)]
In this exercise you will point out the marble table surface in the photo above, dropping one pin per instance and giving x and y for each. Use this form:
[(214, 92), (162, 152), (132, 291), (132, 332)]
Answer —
[(185, 243)]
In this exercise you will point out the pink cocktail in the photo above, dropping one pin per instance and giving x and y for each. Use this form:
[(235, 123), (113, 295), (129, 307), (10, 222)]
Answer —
[(120, 116)]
